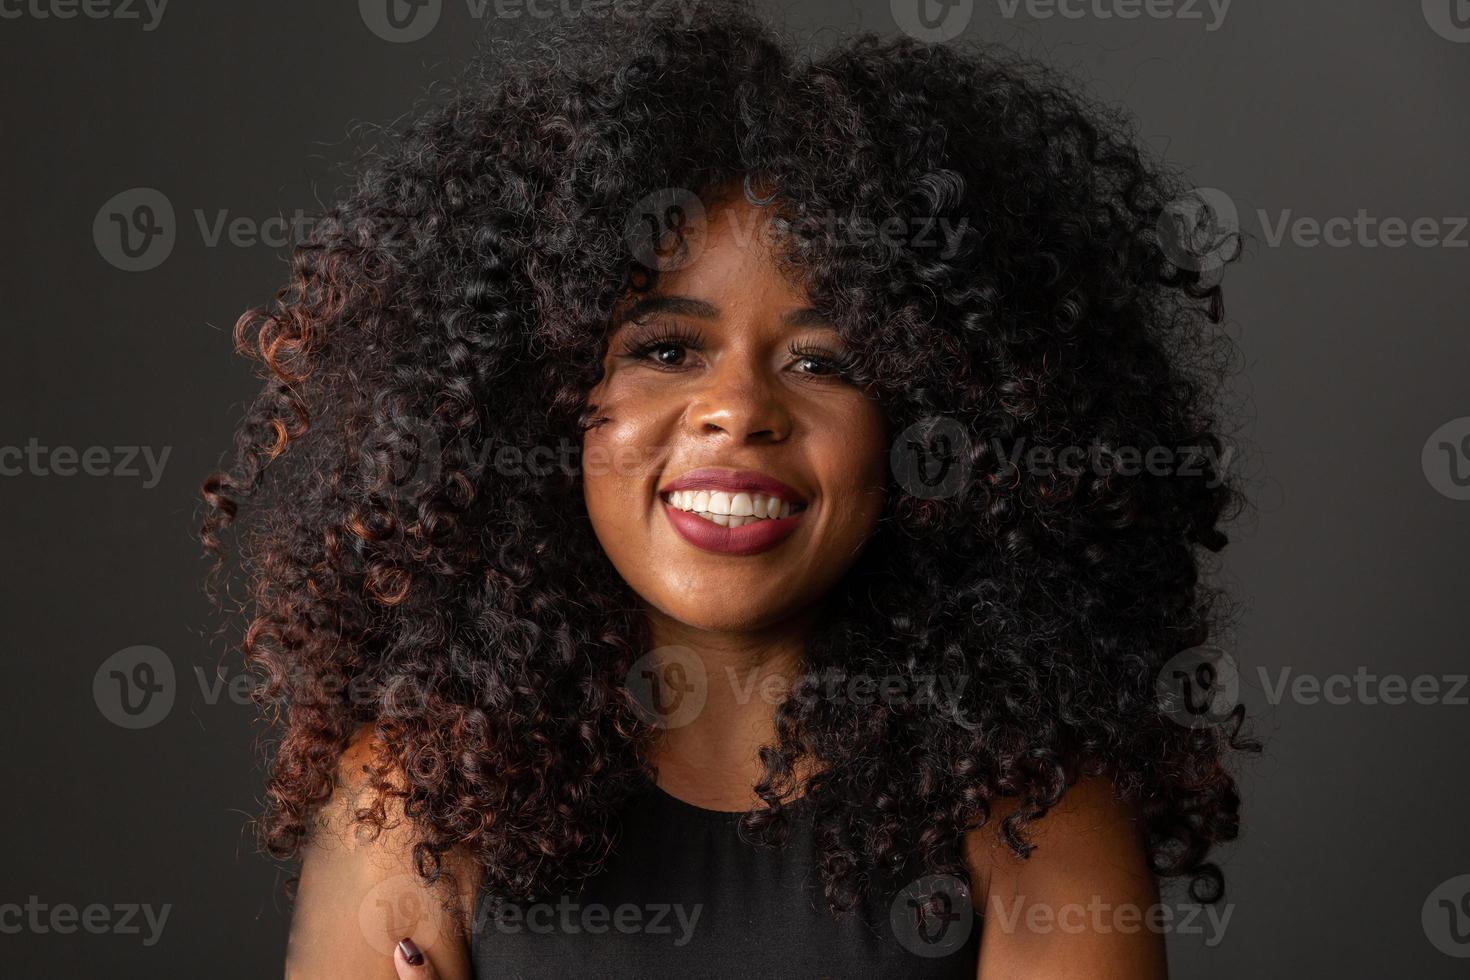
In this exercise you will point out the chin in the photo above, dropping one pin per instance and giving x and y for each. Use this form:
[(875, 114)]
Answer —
[(721, 612)]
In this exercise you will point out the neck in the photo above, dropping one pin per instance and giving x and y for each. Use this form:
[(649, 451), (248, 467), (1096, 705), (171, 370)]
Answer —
[(711, 757)]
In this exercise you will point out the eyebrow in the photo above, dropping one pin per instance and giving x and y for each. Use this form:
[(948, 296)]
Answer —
[(688, 306)]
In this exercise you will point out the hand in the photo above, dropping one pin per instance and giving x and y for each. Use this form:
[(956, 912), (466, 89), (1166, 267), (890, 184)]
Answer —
[(412, 964)]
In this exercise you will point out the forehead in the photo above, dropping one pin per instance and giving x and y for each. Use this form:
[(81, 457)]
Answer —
[(733, 260), (798, 315)]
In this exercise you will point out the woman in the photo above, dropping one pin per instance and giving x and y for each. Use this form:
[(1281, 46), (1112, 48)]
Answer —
[(655, 569)]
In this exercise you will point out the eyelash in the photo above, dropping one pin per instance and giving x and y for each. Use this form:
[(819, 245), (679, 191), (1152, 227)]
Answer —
[(643, 347), (840, 365), (663, 336)]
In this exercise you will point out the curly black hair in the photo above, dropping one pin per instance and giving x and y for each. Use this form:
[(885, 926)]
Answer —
[(456, 302)]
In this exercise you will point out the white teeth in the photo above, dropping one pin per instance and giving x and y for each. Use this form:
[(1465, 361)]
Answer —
[(731, 509)]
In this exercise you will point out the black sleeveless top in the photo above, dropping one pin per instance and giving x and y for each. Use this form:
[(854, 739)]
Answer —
[(683, 895)]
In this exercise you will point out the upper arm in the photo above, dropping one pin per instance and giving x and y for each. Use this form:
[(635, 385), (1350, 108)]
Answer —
[(358, 897), (1080, 905)]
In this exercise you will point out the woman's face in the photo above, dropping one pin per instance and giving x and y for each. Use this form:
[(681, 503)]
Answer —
[(738, 473)]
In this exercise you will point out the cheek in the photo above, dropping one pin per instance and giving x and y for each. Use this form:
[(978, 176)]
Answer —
[(620, 459), (855, 460)]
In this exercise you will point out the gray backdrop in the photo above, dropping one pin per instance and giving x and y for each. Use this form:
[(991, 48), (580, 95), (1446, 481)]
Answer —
[(1338, 132)]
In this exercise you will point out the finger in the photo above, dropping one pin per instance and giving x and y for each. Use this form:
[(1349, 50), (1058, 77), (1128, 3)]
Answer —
[(411, 963)]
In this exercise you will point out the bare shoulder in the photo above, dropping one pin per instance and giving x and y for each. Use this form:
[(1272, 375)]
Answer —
[(1079, 904), (1089, 815), (359, 892)]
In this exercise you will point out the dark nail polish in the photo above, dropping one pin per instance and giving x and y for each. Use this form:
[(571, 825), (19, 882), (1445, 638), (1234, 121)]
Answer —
[(411, 952)]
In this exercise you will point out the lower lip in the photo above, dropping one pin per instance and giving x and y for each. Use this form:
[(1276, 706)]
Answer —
[(747, 539)]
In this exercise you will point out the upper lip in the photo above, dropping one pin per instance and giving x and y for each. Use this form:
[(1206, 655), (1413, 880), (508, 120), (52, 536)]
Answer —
[(733, 481)]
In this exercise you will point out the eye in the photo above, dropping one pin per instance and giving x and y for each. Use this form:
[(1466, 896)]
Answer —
[(819, 363), (667, 354), (662, 347)]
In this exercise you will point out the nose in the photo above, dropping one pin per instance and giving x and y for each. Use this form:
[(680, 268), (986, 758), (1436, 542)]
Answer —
[(741, 402)]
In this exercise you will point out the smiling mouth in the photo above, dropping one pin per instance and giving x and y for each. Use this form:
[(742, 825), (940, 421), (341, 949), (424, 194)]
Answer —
[(732, 509), (732, 512)]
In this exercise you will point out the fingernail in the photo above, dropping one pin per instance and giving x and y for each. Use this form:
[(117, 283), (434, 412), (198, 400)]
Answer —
[(411, 952)]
